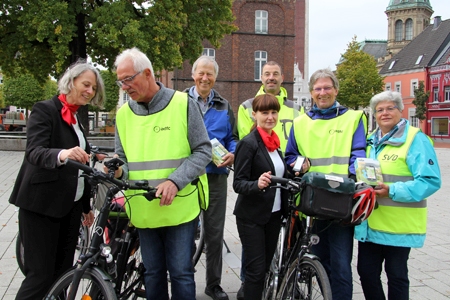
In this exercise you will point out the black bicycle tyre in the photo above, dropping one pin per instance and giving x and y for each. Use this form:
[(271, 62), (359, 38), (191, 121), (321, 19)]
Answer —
[(311, 271), (84, 239), (20, 253), (133, 277), (93, 281), (199, 240)]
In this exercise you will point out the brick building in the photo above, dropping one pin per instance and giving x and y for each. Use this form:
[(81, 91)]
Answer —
[(267, 30)]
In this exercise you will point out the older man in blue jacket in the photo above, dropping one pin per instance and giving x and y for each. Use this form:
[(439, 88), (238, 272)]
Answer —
[(219, 121)]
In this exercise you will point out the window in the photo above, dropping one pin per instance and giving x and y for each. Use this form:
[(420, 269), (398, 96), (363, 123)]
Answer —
[(419, 59), (392, 64), (439, 126), (209, 52), (399, 31), (398, 86), (125, 98), (435, 94), (413, 120), (261, 17), (387, 86), (260, 60), (447, 93), (414, 86), (409, 30)]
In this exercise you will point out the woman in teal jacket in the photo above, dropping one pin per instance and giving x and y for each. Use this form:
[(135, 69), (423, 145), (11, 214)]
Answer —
[(410, 174)]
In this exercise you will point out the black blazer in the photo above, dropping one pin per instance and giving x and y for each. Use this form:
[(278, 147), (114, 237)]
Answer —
[(41, 186), (250, 161)]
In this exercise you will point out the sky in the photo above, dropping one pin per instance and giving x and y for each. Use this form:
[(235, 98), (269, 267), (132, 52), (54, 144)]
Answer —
[(333, 23)]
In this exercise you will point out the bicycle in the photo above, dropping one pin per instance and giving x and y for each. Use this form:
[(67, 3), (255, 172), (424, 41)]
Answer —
[(300, 272), (84, 235), (94, 276)]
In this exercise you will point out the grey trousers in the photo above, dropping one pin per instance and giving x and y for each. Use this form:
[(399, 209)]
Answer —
[(214, 222)]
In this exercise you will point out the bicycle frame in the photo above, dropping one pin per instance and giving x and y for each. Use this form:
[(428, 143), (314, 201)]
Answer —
[(286, 254), (93, 257)]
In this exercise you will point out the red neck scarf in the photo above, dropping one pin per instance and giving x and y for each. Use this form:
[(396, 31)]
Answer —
[(68, 110), (272, 141)]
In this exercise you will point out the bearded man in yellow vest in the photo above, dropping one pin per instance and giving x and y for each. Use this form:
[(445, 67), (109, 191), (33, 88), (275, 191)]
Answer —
[(272, 77), (331, 136), (161, 136), (410, 174)]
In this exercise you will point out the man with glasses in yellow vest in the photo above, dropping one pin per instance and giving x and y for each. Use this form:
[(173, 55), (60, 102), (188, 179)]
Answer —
[(161, 136), (272, 77), (331, 136)]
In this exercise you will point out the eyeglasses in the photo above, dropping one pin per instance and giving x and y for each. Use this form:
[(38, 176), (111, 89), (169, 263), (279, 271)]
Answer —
[(388, 109), (325, 89), (127, 81)]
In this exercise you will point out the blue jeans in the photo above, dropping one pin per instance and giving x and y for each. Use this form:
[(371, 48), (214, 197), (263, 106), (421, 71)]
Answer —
[(370, 264), (168, 249), (335, 251)]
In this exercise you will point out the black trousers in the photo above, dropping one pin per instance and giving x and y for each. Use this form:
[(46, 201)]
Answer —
[(49, 248), (259, 243)]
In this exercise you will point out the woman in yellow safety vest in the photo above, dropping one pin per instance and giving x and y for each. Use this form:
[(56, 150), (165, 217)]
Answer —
[(410, 174)]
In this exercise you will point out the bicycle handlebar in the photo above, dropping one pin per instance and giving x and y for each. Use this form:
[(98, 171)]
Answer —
[(99, 149), (288, 183), (122, 184)]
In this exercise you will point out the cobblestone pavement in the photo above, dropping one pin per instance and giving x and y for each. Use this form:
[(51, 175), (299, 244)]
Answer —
[(429, 267)]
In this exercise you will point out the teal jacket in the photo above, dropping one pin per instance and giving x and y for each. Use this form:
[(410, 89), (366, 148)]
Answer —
[(422, 162)]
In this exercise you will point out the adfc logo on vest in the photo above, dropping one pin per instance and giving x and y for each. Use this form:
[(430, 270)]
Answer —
[(158, 129), (333, 131)]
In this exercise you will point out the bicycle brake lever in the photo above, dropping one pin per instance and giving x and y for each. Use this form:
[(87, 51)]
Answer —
[(150, 195)]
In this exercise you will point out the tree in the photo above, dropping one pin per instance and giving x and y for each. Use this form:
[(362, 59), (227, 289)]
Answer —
[(420, 101), (2, 100), (45, 36), (358, 77), (22, 91), (50, 89)]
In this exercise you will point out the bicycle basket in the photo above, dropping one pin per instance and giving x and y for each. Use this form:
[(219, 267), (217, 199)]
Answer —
[(326, 196)]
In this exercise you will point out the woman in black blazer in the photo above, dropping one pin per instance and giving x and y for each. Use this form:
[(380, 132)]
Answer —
[(51, 197), (259, 208)]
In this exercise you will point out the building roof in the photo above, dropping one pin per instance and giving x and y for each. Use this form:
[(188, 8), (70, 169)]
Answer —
[(402, 4), (376, 48), (422, 51)]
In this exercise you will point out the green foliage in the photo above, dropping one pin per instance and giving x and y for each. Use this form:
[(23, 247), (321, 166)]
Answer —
[(421, 97), (22, 91), (2, 98), (358, 77), (50, 88), (45, 36)]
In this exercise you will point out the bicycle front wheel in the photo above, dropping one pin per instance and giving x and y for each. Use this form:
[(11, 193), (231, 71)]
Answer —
[(93, 285), (307, 280)]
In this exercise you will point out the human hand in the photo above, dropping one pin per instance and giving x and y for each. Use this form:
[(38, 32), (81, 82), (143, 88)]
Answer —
[(228, 160), (167, 190), (75, 153), (381, 190), (305, 166), (88, 219), (264, 180)]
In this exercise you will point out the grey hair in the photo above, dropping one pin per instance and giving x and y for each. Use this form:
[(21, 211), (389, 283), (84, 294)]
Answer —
[(323, 73), (65, 83), (139, 59), (204, 59), (272, 63), (390, 96)]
